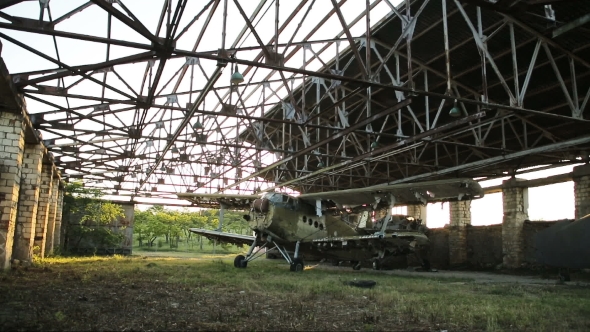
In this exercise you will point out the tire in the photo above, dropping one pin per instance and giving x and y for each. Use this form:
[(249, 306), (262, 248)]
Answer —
[(426, 265), (297, 265), (362, 283), (240, 262)]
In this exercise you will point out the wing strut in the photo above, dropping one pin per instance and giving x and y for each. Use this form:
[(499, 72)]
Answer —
[(388, 217), (221, 212)]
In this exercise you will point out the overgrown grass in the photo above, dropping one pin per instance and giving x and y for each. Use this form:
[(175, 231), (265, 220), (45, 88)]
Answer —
[(191, 246), (209, 293)]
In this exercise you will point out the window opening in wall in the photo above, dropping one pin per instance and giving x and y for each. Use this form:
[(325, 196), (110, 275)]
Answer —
[(560, 196)]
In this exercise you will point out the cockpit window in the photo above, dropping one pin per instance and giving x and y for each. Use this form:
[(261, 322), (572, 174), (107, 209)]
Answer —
[(284, 200), (277, 198)]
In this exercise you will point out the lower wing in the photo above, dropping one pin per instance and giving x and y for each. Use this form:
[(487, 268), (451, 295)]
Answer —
[(374, 241), (232, 238)]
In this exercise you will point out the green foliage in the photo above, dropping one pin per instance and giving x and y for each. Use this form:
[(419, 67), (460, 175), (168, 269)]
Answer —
[(157, 222), (89, 218)]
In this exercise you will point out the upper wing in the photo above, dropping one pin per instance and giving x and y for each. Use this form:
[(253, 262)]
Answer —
[(238, 239), (405, 193), (236, 202)]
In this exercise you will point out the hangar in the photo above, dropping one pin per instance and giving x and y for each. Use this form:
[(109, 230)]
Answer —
[(229, 96)]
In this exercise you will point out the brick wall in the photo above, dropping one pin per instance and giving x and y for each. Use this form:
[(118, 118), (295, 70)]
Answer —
[(12, 141), (484, 246), (50, 230), (460, 213), (45, 199), (57, 234), (581, 176), (439, 248), (530, 229), (460, 218), (28, 202), (515, 203)]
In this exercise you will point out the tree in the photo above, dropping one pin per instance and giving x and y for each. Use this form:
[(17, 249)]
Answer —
[(88, 218), (173, 225), (149, 226)]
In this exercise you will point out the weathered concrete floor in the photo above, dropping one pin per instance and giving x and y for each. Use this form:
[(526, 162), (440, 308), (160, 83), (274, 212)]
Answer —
[(477, 277)]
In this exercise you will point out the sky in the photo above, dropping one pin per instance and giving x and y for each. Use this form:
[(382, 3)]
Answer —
[(545, 203), (93, 21), (551, 202)]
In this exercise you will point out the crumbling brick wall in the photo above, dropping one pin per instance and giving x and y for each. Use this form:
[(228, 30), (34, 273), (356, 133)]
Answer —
[(529, 230), (439, 247), (484, 246)]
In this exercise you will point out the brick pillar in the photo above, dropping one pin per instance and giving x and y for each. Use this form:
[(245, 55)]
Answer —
[(418, 212), (43, 210), (49, 242), (460, 216), (516, 204), (581, 177), (127, 246), (58, 214), (12, 145), (28, 202)]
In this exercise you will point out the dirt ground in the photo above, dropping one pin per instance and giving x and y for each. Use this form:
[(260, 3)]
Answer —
[(210, 294)]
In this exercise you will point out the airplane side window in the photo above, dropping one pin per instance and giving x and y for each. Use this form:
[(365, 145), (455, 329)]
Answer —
[(321, 227), (315, 224), (304, 219), (310, 221)]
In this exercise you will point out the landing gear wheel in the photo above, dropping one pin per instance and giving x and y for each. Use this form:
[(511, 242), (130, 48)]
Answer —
[(335, 262), (240, 262), (356, 265), (297, 265), (426, 265), (376, 265)]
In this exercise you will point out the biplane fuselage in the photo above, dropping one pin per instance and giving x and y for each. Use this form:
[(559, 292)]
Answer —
[(345, 225), (286, 220)]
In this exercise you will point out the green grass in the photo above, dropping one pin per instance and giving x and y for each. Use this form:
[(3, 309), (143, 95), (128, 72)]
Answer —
[(192, 246), (207, 292)]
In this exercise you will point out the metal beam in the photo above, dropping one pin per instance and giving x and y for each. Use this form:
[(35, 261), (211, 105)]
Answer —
[(327, 140), (8, 3), (355, 51), (498, 159), (554, 179), (571, 25), (185, 122), (77, 70), (137, 26), (409, 142)]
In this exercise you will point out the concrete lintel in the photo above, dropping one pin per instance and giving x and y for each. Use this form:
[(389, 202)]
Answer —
[(522, 183)]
